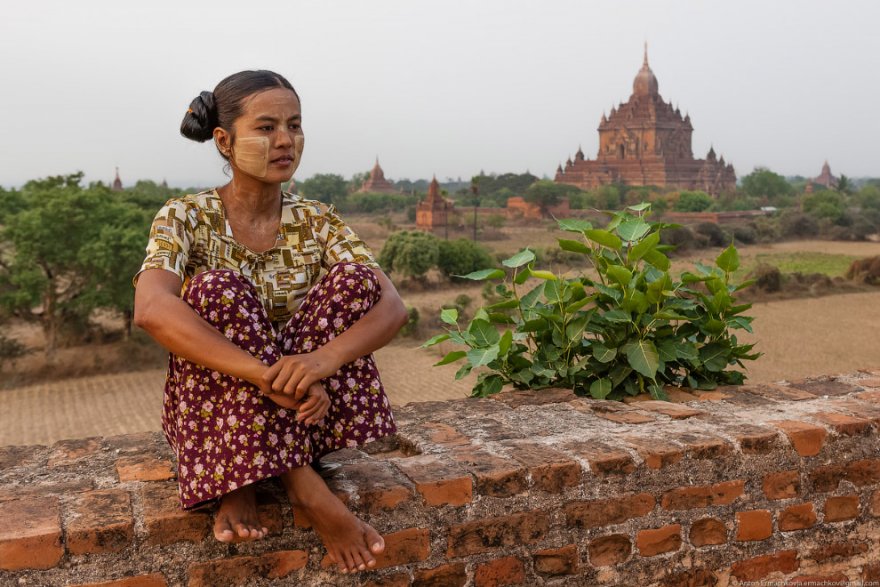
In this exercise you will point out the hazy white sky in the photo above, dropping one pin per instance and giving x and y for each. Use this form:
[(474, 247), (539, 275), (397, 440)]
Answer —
[(447, 87)]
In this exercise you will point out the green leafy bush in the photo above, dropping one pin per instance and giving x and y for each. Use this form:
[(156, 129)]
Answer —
[(410, 253), (461, 256), (632, 329), (694, 202)]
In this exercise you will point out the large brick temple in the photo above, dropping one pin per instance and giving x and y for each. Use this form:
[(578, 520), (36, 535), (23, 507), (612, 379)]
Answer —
[(376, 182), (646, 141)]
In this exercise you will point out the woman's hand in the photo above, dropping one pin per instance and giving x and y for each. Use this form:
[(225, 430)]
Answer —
[(311, 409), (295, 374)]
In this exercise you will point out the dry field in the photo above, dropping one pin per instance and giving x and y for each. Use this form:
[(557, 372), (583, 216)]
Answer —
[(801, 337)]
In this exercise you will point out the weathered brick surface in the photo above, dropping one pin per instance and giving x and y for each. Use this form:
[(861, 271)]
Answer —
[(754, 439), (165, 522), (550, 470), (754, 525), (782, 485), (674, 411), (451, 575), (30, 535), (837, 551), (797, 517), (67, 452), (240, 570), (101, 522), (708, 532), (603, 459), (144, 468), (507, 570), (151, 580), (842, 507), (379, 487), (690, 578), (659, 540), (843, 424), (703, 496), (495, 476), (605, 512), (557, 561), (609, 550), (438, 481), (404, 547), (756, 568), (656, 453), (806, 439), (491, 533)]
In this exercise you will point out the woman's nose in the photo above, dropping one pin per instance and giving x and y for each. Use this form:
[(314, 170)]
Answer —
[(283, 138)]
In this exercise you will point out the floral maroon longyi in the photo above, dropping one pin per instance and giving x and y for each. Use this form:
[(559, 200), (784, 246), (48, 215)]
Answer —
[(225, 432)]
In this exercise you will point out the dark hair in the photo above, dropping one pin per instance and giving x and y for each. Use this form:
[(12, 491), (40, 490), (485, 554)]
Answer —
[(222, 106)]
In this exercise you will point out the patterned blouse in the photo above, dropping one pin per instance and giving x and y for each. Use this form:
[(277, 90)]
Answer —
[(190, 235)]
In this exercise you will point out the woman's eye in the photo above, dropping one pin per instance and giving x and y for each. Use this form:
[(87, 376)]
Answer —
[(268, 127), (294, 127)]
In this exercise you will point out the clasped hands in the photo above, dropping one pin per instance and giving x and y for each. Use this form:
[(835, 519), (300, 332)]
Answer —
[(294, 382)]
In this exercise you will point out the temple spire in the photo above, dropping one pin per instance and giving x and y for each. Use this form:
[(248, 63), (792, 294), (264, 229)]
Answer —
[(646, 54)]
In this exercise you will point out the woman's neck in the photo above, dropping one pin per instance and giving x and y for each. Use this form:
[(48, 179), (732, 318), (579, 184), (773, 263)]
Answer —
[(248, 199)]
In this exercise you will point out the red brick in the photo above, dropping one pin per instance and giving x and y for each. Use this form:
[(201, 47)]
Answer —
[(101, 522), (843, 507), (500, 572), (678, 395), (550, 470), (496, 476), (837, 551), (240, 570), (18, 456), (454, 575), (690, 578), (754, 439), (656, 453), (674, 411), (444, 434), (863, 472), (701, 496), (659, 540), (30, 536), (603, 459), (613, 411), (827, 477), (61, 488), (401, 548), (782, 485), (843, 424), (67, 452), (702, 446), (875, 503), (756, 568), (609, 550), (165, 521), (633, 417), (873, 383), (708, 531), (806, 438), (551, 395), (754, 525), (830, 386), (153, 580), (392, 580), (797, 517), (557, 561), (378, 488), (437, 480), (490, 533), (813, 580), (871, 572), (144, 468), (862, 408), (779, 392), (607, 512)]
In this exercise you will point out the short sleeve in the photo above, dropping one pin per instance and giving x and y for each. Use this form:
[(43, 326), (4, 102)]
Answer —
[(341, 243), (171, 237)]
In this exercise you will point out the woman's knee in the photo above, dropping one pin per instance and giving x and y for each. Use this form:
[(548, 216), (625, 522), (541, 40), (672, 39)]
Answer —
[(354, 278), (208, 284)]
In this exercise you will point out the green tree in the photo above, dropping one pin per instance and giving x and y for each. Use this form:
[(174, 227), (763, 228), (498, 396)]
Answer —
[(461, 256), (67, 252), (410, 253), (326, 187), (825, 204), (763, 183), (844, 185), (545, 194), (693, 201)]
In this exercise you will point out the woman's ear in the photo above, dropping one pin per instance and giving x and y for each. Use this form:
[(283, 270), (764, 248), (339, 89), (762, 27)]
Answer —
[(223, 140)]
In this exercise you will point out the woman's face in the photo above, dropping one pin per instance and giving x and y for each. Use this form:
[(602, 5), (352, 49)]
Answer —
[(269, 140)]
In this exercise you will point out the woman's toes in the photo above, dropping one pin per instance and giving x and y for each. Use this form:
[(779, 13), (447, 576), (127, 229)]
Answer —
[(374, 540), (222, 531)]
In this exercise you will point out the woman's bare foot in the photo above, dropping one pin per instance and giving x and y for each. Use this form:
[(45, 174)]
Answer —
[(351, 543), (237, 519)]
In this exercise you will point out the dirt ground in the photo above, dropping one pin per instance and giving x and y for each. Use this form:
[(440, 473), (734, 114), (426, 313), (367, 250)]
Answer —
[(801, 337)]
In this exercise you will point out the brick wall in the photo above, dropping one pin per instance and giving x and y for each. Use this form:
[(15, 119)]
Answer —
[(751, 485)]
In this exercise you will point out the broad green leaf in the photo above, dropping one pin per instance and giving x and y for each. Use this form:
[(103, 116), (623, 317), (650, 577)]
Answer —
[(604, 238), (490, 385), (640, 249), (463, 372), (643, 357), (481, 314), (714, 326), (435, 340), (600, 388), (714, 356), (541, 274), (745, 284), (574, 225), (505, 342), (573, 246), (728, 260), (633, 230), (528, 300), (484, 356), (451, 358), (522, 276), (669, 315), (611, 292), (523, 257), (483, 274), (483, 332), (536, 325), (741, 322), (575, 329), (503, 305), (577, 305), (500, 318), (602, 353), (617, 316), (657, 259), (639, 207), (621, 275), (666, 351), (657, 392), (449, 316)]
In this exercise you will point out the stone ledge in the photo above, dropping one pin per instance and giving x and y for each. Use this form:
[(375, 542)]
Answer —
[(738, 484)]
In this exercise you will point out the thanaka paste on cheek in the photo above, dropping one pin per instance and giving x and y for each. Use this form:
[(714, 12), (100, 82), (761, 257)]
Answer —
[(299, 142), (251, 155)]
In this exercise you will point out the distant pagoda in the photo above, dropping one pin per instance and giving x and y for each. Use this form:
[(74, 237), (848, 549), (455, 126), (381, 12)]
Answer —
[(376, 182), (117, 183), (646, 141), (825, 178), (433, 211)]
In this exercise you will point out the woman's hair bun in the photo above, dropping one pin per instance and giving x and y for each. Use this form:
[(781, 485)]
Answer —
[(200, 119)]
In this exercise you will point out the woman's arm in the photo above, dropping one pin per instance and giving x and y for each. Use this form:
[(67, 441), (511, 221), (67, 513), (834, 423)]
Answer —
[(159, 310), (295, 373)]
